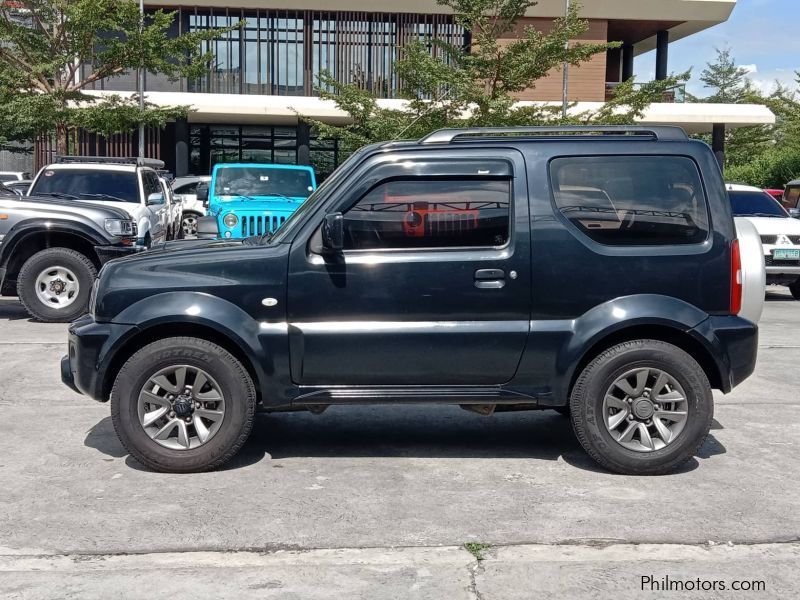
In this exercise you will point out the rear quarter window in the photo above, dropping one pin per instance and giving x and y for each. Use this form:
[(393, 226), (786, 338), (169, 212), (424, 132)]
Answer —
[(632, 200)]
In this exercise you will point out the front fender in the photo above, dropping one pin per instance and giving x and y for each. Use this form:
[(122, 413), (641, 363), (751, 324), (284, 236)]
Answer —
[(203, 310), (85, 231)]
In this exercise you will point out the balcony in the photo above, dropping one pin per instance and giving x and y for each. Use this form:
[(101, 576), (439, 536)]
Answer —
[(672, 95)]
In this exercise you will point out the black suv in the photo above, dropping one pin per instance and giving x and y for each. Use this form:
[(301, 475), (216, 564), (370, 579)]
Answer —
[(592, 271)]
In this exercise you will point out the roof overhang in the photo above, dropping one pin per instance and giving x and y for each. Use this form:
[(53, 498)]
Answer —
[(640, 10), (284, 110)]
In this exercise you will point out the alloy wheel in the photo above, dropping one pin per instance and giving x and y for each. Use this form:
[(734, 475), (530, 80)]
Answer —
[(181, 407), (645, 409), (189, 225)]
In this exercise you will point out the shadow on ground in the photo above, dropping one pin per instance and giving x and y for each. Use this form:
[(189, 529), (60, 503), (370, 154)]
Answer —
[(778, 295), (12, 310), (407, 432)]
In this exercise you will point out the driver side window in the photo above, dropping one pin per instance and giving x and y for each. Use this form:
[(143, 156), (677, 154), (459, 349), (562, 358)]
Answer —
[(151, 184), (430, 213)]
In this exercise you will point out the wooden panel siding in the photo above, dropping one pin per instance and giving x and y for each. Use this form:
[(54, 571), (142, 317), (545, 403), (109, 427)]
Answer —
[(587, 83)]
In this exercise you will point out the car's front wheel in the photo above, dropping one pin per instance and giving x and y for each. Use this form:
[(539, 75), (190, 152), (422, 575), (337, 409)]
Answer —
[(54, 284), (643, 407), (182, 405)]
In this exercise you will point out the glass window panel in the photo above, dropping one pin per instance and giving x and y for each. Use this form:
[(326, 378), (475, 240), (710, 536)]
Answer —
[(430, 213), (285, 157), (285, 132), (256, 155), (256, 131), (632, 200)]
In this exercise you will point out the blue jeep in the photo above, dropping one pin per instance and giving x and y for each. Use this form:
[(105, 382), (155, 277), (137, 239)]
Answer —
[(247, 199)]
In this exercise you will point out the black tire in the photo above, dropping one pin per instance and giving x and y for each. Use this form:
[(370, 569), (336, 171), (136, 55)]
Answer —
[(81, 266), (586, 403), (795, 289), (237, 388)]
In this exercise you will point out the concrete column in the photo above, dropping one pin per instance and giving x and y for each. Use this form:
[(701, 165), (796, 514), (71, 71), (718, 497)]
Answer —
[(662, 55), (627, 62), (303, 144), (181, 147), (718, 143)]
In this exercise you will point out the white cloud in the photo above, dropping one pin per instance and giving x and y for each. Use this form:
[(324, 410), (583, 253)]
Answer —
[(749, 68), (767, 80)]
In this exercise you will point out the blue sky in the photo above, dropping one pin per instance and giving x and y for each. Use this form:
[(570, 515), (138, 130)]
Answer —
[(762, 35)]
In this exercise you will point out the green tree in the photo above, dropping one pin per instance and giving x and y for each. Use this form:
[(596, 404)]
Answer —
[(729, 84), (779, 163), (479, 85), (52, 50)]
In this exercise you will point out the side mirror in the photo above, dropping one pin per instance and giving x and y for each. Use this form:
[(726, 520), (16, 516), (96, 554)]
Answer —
[(333, 233), (794, 213), (155, 199), (202, 193)]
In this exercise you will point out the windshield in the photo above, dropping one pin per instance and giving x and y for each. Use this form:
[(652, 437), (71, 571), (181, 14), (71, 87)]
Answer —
[(262, 181), (100, 185), (319, 195), (755, 204)]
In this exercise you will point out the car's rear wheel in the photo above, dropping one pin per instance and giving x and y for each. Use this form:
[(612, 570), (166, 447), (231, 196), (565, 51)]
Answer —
[(642, 408), (54, 284), (183, 405), (794, 288)]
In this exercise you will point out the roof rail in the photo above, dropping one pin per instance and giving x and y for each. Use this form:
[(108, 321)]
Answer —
[(153, 163), (445, 136)]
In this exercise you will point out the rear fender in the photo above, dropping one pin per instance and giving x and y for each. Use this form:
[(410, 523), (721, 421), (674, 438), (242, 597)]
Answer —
[(616, 315)]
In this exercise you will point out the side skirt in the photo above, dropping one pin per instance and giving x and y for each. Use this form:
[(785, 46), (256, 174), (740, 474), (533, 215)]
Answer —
[(465, 395)]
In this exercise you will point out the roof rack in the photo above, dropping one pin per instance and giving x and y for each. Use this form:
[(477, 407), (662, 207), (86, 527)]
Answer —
[(445, 136), (153, 163)]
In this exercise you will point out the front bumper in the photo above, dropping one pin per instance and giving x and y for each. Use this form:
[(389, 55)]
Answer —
[(91, 348), (107, 253)]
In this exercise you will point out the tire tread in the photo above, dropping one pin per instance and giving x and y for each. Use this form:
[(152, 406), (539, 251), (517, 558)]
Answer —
[(182, 343), (577, 397), (27, 272)]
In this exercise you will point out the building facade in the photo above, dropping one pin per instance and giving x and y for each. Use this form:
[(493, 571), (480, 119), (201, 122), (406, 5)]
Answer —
[(266, 69)]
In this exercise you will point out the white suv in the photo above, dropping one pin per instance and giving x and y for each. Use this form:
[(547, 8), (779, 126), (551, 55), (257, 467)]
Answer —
[(780, 234), (131, 184)]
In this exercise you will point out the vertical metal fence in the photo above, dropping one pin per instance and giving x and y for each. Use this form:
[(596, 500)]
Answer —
[(283, 52)]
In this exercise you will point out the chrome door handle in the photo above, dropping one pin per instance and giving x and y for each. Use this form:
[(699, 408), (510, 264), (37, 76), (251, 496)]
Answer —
[(482, 274), (490, 279)]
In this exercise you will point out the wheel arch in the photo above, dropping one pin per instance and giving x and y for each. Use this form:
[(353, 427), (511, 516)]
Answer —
[(646, 316), (160, 330), (26, 242), (652, 331)]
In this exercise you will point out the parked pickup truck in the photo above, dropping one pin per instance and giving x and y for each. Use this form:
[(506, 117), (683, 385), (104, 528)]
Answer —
[(51, 250), (252, 199), (592, 271)]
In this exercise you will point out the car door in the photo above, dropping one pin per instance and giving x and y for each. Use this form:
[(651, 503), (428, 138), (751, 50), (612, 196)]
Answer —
[(158, 214), (433, 286)]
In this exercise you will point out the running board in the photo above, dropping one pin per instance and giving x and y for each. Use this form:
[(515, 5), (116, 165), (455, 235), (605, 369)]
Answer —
[(410, 395)]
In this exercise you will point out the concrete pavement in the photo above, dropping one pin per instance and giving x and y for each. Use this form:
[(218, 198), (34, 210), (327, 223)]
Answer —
[(378, 502)]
